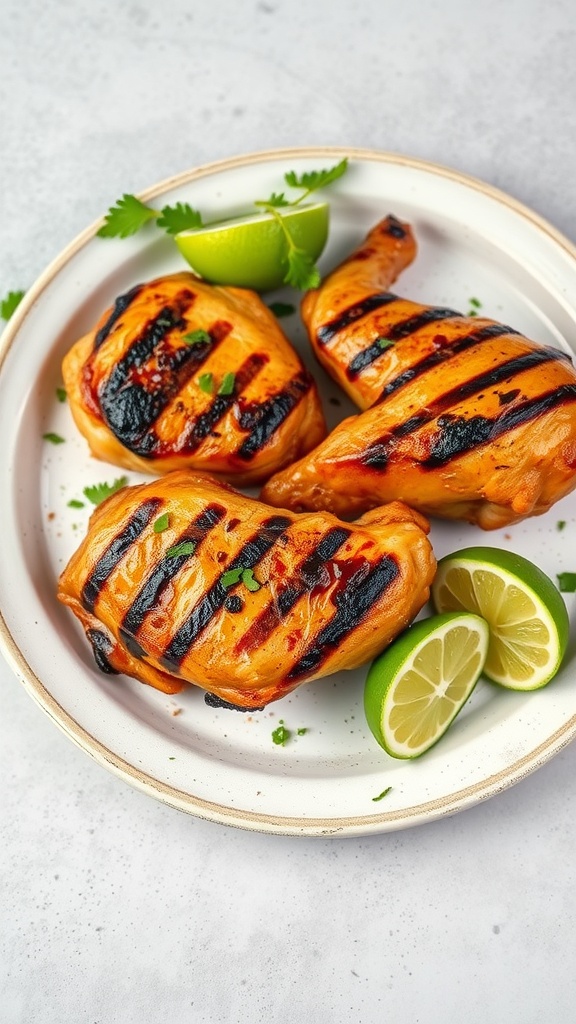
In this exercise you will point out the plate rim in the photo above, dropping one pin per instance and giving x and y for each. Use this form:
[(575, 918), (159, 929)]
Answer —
[(170, 794)]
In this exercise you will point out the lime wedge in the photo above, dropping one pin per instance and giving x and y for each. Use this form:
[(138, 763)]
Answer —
[(527, 616), (415, 689), (250, 252)]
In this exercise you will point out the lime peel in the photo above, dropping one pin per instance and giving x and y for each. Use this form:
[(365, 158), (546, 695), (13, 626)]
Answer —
[(417, 686), (529, 623)]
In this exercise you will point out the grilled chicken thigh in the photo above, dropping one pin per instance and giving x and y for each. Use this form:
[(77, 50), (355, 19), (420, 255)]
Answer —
[(182, 374), (464, 418), (185, 580)]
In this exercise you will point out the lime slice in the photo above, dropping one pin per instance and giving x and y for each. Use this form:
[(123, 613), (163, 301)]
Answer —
[(250, 252), (527, 616), (415, 689)]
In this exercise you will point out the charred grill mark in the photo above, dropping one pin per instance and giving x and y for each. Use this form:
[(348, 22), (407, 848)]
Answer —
[(378, 453), (265, 419), (197, 430), (163, 573), (218, 702), (394, 227), (442, 353), (206, 608), (397, 332), (311, 574), (133, 395), (120, 306), (115, 551), (354, 599), (328, 331), (458, 436), (101, 646)]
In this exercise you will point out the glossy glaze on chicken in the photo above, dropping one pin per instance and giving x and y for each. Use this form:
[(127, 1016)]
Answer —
[(182, 374), (464, 417), (237, 598)]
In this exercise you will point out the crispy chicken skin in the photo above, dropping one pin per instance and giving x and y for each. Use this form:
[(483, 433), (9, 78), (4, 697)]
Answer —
[(134, 392), (237, 598), (351, 308), (464, 418)]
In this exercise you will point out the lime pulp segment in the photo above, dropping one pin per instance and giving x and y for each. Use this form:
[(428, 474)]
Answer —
[(527, 616), (415, 689)]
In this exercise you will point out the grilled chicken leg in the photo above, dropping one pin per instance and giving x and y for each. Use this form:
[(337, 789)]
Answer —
[(182, 374), (240, 600), (465, 418)]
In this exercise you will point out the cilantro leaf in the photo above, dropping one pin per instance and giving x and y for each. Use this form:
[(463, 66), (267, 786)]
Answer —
[(98, 492), (567, 582), (53, 438), (181, 217), (227, 385), (249, 580), (126, 218), (74, 503), (196, 337), (302, 272), (231, 577), (162, 523), (281, 735), (10, 304), (384, 343), (185, 547), (313, 180), (276, 199), (61, 394), (206, 383)]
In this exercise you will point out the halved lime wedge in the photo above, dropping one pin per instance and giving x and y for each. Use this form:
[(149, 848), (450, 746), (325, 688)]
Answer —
[(528, 620), (250, 252), (415, 689)]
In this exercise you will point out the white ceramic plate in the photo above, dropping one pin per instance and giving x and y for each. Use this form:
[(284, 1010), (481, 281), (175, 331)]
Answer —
[(219, 764)]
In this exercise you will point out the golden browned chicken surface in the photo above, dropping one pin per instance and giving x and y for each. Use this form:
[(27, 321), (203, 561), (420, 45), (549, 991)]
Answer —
[(182, 374), (465, 418), (185, 580)]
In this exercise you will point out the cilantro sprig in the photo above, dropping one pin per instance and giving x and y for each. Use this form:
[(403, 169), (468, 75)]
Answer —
[(10, 304), (129, 215)]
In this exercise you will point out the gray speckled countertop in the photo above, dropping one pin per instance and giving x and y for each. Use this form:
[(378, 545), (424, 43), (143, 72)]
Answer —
[(115, 908)]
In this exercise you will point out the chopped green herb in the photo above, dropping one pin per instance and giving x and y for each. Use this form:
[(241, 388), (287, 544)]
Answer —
[(475, 302), (10, 304), (281, 735), (301, 732), (560, 524), (53, 438), (302, 272), (185, 547), (567, 582), (227, 385), (98, 492), (249, 581), (206, 383), (384, 343), (281, 309), (231, 577), (74, 503), (472, 312), (382, 794), (171, 758), (162, 523), (197, 337), (61, 394)]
